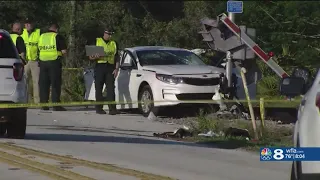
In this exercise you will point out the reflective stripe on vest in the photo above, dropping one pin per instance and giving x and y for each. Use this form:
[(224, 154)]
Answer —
[(31, 42), (47, 47), (14, 38), (110, 49)]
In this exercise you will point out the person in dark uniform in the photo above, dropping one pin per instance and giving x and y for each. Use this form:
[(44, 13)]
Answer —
[(106, 70), (18, 40), (52, 48)]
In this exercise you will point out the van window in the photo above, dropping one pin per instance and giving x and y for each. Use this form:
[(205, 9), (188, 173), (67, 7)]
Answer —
[(7, 48)]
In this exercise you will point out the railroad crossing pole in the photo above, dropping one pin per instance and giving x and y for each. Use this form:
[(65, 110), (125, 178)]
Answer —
[(229, 64)]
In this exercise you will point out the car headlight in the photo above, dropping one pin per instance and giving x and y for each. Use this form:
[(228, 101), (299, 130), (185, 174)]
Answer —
[(169, 79)]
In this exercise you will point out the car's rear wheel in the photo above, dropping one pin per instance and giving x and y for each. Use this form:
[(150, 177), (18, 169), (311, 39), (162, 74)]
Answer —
[(3, 128), (16, 127), (146, 104)]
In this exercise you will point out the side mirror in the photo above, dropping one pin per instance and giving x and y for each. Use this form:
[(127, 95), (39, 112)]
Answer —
[(292, 86)]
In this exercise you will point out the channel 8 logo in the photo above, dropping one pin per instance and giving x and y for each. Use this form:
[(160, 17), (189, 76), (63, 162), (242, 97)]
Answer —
[(267, 154)]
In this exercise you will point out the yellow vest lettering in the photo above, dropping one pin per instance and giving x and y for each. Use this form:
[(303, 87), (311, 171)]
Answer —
[(31, 41), (14, 38), (47, 47), (110, 49)]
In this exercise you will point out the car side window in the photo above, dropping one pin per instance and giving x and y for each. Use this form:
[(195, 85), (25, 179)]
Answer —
[(7, 48), (128, 61)]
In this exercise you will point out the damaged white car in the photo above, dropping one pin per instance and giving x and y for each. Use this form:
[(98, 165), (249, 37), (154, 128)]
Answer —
[(160, 76)]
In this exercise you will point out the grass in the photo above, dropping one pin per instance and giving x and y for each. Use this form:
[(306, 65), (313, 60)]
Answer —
[(238, 143), (273, 135)]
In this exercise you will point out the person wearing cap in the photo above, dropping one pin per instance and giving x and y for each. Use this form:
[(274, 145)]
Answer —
[(31, 37), (106, 70), (52, 47), (18, 40)]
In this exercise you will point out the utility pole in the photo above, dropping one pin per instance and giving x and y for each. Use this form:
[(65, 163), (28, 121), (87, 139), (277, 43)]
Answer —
[(72, 48)]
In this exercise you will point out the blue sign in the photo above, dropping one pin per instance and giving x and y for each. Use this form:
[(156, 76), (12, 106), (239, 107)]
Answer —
[(290, 154), (235, 6)]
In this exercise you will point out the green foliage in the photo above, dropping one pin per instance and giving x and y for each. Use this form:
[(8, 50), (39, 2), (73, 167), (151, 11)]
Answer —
[(289, 28)]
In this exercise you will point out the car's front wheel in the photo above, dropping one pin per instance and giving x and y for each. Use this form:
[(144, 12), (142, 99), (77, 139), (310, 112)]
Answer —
[(16, 127), (146, 104)]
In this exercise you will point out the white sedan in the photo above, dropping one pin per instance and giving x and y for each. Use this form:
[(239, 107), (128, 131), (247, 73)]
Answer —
[(162, 75), (306, 133)]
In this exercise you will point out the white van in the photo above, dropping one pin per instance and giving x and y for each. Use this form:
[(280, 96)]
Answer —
[(13, 89)]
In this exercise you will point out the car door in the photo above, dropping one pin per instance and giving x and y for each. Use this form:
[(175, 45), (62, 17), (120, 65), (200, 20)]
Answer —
[(127, 82)]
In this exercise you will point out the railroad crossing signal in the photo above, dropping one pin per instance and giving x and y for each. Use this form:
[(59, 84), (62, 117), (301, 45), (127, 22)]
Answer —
[(220, 38), (224, 35), (235, 6)]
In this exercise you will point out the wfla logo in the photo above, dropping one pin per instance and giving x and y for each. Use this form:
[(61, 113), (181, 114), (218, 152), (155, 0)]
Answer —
[(266, 154), (271, 154)]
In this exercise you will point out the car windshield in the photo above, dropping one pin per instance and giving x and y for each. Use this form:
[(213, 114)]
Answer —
[(168, 57)]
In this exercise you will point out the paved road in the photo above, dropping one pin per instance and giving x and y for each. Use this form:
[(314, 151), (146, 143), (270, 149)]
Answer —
[(125, 140)]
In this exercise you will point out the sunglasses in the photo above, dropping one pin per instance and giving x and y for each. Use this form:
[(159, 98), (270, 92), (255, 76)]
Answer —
[(109, 33)]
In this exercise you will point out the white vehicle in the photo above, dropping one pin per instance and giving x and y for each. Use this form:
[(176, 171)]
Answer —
[(13, 89), (164, 75), (306, 133)]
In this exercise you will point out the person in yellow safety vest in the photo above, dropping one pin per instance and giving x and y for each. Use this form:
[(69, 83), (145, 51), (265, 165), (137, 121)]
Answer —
[(106, 70), (52, 47), (31, 37), (18, 40)]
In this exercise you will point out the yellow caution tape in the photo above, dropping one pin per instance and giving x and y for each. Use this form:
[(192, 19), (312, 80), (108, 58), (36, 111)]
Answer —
[(72, 68), (86, 103)]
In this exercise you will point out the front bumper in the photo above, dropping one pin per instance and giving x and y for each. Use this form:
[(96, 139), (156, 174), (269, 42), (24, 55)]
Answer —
[(169, 95)]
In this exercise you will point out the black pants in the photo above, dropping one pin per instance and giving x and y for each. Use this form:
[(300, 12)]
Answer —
[(50, 75), (103, 75)]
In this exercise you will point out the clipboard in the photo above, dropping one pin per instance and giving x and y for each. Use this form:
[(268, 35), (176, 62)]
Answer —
[(93, 50)]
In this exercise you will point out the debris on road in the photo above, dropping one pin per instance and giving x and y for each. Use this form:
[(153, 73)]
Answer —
[(178, 133), (152, 116), (237, 132), (211, 134)]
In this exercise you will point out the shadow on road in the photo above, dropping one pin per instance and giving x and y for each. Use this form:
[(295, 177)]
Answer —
[(108, 139), (286, 115)]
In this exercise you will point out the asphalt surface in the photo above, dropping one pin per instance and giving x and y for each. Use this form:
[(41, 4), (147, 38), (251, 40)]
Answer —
[(126, 141)]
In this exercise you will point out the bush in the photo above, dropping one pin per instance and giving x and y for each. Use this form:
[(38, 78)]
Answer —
[(73, 87)]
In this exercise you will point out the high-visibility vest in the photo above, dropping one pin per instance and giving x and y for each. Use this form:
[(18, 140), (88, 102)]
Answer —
[(14, 38), (110, 49), (48, 47), (31, 42)]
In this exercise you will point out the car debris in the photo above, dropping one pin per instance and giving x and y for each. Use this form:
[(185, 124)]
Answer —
[(185, 131), (237, 132), (180, 133)]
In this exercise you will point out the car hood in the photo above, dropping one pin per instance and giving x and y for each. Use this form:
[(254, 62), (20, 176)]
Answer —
[(184, 69)]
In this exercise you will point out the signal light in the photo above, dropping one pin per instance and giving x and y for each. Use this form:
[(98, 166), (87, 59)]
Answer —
[(318, 100), (270, 54)]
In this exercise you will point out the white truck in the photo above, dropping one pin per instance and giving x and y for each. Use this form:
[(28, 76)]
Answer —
[(13, 89)]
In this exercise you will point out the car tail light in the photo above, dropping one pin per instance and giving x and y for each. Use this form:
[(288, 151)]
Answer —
[(18, 71), (318, 100)]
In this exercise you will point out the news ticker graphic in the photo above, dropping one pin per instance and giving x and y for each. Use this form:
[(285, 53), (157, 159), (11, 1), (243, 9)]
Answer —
[(290, 154)]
